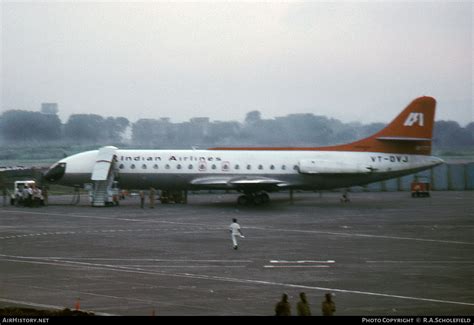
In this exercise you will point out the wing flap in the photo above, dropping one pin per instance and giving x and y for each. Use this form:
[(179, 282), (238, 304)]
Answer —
[(254, 181), (239, 183)]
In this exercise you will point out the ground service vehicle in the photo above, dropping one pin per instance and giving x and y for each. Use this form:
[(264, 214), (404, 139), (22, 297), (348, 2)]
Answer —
[(420, 187), (17, 196)]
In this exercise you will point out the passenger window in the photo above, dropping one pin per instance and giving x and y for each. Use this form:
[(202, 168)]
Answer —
[(283, 167), (155, 166), (272, 167), (167, 166), (190, 166), (132, 166), (178, 166), (121, 166), (260, 167), (144, 166), (236, 167), (214, 166), (249, 167)]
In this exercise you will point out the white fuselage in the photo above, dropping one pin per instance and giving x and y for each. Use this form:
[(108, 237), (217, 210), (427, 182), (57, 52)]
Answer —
[(201, 169)]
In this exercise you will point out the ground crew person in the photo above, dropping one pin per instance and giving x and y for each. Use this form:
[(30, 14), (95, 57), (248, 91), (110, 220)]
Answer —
[(142, 199), (302, 307), (4, 194), (235, 231), (328, 306), (283, 307), (45, 195), (152, 195)]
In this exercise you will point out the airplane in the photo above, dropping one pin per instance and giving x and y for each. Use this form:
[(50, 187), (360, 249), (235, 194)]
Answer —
[(403, 147)]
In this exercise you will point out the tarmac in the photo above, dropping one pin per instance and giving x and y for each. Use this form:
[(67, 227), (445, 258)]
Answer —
[(380, 254)]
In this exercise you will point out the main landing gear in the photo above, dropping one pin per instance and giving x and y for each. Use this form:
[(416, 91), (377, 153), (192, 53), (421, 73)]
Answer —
[(259, 198), (180, 197)]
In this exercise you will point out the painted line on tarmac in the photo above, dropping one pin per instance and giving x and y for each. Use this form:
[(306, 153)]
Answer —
[(128, 259), (218, 263), (257, 228), (183, 266), (48, 214), (33, 304), (421, 262), (277, 264), (115, 268), (302, 261), (84, 293), (294, 266), (111, 231), (362, 235)]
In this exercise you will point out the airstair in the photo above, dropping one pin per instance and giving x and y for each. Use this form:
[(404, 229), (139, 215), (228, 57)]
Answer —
[(103, 175)]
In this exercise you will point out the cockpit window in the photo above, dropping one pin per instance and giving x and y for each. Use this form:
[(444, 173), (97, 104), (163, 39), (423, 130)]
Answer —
[(56, 172)]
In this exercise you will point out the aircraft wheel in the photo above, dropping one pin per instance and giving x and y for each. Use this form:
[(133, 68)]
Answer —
[(244, 200), (261, 199), (258, 200), (265, 198)]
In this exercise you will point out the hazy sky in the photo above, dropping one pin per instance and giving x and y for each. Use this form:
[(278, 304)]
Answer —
[(352, 60)]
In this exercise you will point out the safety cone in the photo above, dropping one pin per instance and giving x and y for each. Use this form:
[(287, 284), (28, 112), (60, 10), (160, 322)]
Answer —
[(78, 304)]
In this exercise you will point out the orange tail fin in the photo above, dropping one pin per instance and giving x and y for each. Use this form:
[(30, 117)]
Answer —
[(410, 132)]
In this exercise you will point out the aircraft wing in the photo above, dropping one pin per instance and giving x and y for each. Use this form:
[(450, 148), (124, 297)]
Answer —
[(246, 183)]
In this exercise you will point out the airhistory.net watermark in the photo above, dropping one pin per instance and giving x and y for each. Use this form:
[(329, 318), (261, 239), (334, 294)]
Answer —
[(24, 320)]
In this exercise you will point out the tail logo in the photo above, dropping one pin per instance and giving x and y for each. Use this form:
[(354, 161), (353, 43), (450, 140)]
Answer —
[(414, 118)]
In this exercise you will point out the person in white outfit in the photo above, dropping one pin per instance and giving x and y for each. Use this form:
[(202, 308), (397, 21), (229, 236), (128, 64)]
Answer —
[(235, 231)]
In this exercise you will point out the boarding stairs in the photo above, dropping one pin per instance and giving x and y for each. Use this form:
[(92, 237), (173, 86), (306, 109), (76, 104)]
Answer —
[(103, 175)]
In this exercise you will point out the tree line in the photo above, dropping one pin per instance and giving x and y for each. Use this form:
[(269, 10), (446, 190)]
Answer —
[(30, 127)]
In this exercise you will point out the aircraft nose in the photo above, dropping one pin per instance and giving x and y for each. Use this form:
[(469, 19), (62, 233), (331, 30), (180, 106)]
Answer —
[(56, 172)]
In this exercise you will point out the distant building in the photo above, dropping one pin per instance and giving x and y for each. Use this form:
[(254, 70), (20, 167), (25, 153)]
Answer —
[(49, 108)]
